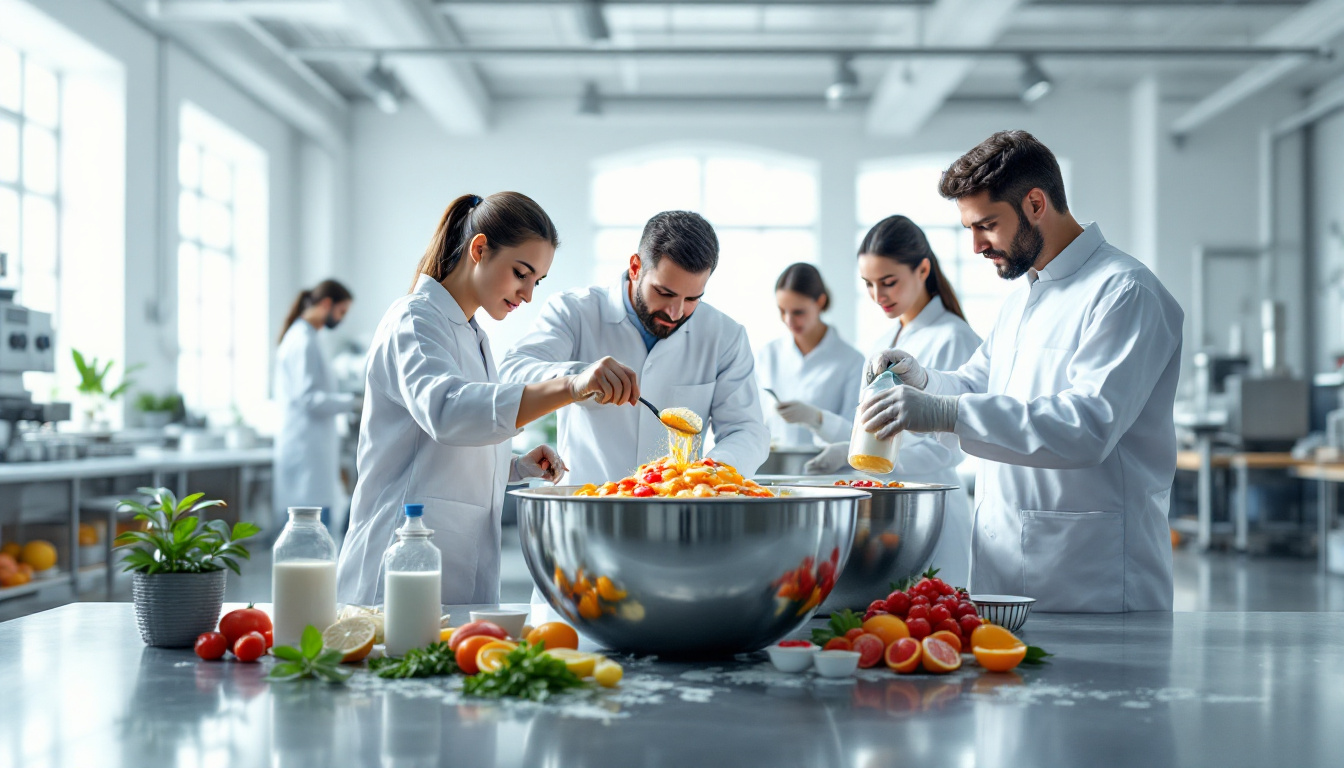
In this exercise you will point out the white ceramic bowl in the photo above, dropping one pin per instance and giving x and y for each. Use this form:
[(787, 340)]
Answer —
[(836, 663), (509, 621), (792, 659), (1008, 611)]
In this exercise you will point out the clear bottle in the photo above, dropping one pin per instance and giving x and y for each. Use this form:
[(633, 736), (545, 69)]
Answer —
[(412, 571), (303, 576), (866, 452)]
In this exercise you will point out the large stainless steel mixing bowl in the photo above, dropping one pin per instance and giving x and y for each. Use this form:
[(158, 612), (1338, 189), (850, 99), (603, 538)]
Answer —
[(894, 538), (686, 577)]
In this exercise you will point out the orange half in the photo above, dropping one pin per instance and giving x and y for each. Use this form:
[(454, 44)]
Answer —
[(491, 655), (938, 656), (993, 636), (1000, 659)]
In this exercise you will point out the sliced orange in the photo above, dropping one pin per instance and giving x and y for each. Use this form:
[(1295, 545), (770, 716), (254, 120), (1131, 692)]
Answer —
[(938, 656), (993, 636), (491, 656), (903, 655), (889, 628), (606, 589), (1000, 659), (949, 638)]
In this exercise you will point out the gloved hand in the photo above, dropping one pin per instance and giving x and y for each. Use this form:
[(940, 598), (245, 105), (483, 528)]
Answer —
[(833, 458), (542, 462), (608, 381), (798, 412), (901, 363), (906, 409)]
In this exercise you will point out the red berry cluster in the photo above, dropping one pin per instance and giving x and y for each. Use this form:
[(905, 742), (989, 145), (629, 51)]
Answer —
[(929, 606)]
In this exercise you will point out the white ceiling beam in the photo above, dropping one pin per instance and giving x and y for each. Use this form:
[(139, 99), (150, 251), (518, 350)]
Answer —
[(1317, 23), (910, 93), (451, 92), (327, 12)]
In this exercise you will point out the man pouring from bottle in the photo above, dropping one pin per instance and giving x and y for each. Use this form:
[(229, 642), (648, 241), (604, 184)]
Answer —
[(1068, 401)]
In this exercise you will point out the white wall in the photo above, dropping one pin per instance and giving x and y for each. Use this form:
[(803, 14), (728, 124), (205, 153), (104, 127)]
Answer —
[(405, 171)]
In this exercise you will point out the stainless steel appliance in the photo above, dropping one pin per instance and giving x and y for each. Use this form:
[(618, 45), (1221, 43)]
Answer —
[(27, 343), (1268, 413), (686, 577)]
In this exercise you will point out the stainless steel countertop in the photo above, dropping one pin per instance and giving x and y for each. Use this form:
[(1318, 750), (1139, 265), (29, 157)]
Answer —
[(1189, 689), (113, 466)]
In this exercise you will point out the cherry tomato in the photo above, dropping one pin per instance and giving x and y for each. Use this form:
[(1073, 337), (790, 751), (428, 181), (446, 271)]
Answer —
[(965, 609), (270, 638), (918, 611), (709, 462), (919, 600), (474, 628), (211, 646), (950, 625), (237, 623), (938, 614), (838, 644), (969, 623), (643, 491), (898, 603), (794, 644), (919, 628), (250, 647), (653, 477), (878, 605)]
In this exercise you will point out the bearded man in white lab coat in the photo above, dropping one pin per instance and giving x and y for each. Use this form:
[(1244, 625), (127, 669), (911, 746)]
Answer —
[(1069, 400), (672, 348)]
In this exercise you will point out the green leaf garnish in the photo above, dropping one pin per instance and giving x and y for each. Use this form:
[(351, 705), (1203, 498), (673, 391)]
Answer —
[(308, 660), (432, 660), (526, 673), (1036, 655)]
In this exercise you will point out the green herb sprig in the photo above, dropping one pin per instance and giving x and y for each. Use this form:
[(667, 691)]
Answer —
[(1036, 655), (432, 660), (840, 623), (527, 673), (308, 660)]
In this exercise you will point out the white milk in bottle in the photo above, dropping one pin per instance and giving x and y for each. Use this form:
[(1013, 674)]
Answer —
[(412, 595), (303, 576)]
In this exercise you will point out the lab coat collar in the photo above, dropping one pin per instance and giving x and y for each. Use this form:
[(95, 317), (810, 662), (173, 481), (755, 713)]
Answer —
[(440, 299), (930, 314), (613, 310), (1074, 255)]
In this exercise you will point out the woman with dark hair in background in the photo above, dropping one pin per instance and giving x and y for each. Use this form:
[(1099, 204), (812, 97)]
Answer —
[(903, 277), (811, 371), (307, 460), (437, 422)]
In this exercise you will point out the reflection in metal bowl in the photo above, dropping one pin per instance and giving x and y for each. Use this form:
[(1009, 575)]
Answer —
[(686, 577), (894, 538)]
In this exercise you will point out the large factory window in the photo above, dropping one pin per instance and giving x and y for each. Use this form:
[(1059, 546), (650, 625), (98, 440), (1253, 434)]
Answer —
[(221, 269), (763, 206)]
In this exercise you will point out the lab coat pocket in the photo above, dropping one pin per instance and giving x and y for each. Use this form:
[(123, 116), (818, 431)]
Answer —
[(1074, 561), (462, 534)]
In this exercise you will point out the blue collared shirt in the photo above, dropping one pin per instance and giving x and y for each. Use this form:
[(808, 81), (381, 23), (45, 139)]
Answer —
[(649, 338)]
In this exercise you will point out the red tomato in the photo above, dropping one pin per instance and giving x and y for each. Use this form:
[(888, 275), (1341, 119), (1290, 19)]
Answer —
[(838, 644), (250, 647), (270, 638), (211, 646), (919, 628), (968, 624), (965, 608), (920, 600), (870, 648), (708, 462), (473, 628), (939, 613), (653, 477), (853, 633), (898, 603), (237, 623), (642, 492), (950, 625), (917, 611)]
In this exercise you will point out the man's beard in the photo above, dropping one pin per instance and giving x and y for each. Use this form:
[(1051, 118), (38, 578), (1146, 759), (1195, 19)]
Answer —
[(1022, 252), (647, 318)]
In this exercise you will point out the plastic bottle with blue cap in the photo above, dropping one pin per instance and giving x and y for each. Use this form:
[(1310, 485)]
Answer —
[(412, 579)]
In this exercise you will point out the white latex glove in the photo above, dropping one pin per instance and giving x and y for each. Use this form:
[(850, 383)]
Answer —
[(608, 381), (906, 409), (542, 462), (833, 458), (797, 412), (900, 363)]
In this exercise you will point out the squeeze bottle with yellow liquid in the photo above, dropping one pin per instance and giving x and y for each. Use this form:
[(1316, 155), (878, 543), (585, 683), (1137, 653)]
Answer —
[(866, 452)]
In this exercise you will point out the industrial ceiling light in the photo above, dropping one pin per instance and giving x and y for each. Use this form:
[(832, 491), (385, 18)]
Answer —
[(590, 103), (845, 85), (592, 22), (382, 87), (1035, 83)]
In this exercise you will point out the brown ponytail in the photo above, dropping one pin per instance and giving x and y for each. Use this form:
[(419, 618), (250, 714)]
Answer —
[(327, 289), (901, 240), (505, 218)]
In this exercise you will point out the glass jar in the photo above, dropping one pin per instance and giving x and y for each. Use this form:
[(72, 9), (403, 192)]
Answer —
[(866, 452), (303, 576), (412, 577)]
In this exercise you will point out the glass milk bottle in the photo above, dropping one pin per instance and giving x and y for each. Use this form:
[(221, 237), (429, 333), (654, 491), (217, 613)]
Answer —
[(303, 576), (866, 452), (412, 571)]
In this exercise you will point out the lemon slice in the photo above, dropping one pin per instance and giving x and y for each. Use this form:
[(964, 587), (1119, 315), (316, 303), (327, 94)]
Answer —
[(578, 662), (608, 673), (353, 637), (491, 655)]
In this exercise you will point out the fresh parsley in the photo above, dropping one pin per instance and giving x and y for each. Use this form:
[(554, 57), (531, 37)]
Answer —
[(840, 623), (308, 660), (432, 660), (527, 673)]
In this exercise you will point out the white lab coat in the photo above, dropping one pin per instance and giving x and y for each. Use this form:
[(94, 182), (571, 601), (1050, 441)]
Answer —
[(1070, 401), (436, 430), (938, 339), (307, 448), (705, 365), (823, 378)]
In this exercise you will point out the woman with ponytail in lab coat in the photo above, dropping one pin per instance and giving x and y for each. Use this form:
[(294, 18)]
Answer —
[(437, 422), (903, 277), (307, 459)]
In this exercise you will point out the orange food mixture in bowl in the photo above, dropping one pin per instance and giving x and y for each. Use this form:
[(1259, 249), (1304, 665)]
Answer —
[(666, 478)]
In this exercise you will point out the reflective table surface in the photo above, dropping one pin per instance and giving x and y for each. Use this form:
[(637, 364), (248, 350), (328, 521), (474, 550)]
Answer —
[(1190, 689)]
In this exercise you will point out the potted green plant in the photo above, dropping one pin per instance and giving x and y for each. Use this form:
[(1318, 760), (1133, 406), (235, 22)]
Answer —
[(178, 564), (158, 412), (92, 388)]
